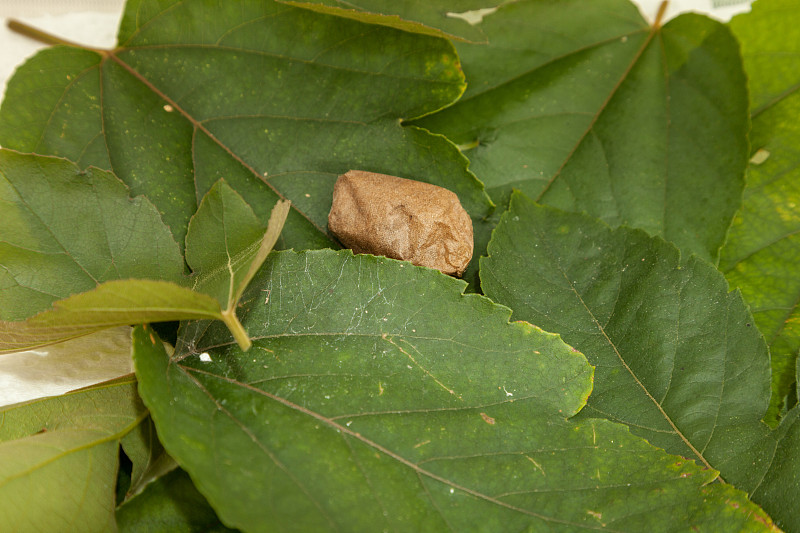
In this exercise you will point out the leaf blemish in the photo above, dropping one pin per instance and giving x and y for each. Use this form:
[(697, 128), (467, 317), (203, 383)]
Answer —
[(474, 17), (537, 465), (488, 419), (759, 157)]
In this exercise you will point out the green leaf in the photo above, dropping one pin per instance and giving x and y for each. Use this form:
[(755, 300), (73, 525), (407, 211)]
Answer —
[(377, 396), (64, 230), (114, 303), (583, 106), (46, 250), (435, 17), (777, 489), (169, 505), (763, 247), (677, 356), (277, 100), (224, 236), (226, 244), (59, 458)]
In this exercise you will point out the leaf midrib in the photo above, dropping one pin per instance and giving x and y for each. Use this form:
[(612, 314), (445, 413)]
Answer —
[(197, 125), (624, 363), (654, 30)]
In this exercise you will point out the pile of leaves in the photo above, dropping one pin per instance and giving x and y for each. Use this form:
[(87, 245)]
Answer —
[(621, 355)]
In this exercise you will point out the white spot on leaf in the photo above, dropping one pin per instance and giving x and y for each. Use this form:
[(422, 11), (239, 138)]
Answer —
[(474, 17)]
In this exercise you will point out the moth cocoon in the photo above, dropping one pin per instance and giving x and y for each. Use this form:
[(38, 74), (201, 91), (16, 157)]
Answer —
[(402, 219)]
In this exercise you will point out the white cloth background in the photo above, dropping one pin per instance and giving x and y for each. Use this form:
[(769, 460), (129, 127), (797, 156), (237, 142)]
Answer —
[(29, 375)]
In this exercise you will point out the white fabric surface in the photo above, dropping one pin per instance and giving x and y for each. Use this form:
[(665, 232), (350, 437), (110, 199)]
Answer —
[(28, 375)]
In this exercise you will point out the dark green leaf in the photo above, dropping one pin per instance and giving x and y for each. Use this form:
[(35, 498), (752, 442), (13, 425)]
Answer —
[(583, 106), (677, 356), (377, 396), (276, 100), (776, 491)]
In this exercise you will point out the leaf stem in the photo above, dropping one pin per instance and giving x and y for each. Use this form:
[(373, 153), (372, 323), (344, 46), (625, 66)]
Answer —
[(236, 328), (662, 9), (47, 38)]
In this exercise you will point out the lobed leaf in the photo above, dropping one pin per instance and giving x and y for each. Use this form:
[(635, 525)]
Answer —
[(377, 396), (277, 100), (583, 106), (762, 252), (677, 356)]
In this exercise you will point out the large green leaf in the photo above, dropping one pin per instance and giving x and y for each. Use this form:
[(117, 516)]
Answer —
[(59, 458), (65, 231), (762, 254), (275, 99), (678, 357), (583, 106), (378, 397)]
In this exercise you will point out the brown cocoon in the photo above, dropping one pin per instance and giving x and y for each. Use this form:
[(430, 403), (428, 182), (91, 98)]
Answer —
[(403, 219)]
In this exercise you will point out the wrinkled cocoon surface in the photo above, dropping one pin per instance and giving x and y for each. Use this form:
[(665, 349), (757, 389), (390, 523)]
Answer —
[(403, 219)]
